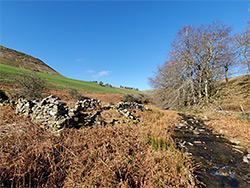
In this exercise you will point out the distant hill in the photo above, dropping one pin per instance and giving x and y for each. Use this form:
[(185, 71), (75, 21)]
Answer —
[(21, 60)]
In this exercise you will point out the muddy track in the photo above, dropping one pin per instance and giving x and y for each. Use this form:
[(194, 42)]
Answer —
[(221, 162)]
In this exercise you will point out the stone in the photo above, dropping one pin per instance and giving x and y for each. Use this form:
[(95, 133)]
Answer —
[(130, 105), (244, 116), (24, 107), (198, 142), (48, 112), (122, 108), (196, 132), (245, 159), (205, 118), (7, 103), (94, 104), (224, 113)]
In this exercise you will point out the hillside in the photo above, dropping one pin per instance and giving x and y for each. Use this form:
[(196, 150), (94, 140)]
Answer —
[(234, 96), (7, 73), (24, 61), (13, 63)]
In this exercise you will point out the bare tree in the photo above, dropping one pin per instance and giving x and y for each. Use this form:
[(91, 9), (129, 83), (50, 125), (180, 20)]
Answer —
[(183, 51), (168, 84), (242, 44), (229, 59), (31, 86), (212, 45), (198, 58)]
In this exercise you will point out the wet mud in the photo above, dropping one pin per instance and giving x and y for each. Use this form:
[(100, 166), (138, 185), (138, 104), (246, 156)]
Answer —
[(220, 162)]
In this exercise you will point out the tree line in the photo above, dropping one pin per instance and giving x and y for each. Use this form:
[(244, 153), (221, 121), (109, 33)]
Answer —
[(199, 57)]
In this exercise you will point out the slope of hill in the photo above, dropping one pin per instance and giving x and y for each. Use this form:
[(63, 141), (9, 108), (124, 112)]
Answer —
[(22, 60), (234, 96), (13, 63), (7, 73)]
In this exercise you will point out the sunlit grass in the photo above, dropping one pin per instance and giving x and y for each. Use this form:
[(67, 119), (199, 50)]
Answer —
[(8, 72)]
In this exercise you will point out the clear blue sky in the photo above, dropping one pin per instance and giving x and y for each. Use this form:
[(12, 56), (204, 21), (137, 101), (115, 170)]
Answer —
[(117, 42)]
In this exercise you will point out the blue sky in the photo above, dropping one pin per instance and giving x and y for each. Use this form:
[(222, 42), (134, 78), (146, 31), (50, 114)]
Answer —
[(117, 42)]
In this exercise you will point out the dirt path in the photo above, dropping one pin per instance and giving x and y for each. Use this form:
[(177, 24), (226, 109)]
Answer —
[(221, 161)]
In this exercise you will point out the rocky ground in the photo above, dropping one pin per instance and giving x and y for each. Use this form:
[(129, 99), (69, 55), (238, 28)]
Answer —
[(222, 163)]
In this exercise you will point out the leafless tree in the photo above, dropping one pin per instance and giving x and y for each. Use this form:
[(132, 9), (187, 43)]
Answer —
[(198, 58), (242, 44), (212, 45), (168, 83), (31, 86)]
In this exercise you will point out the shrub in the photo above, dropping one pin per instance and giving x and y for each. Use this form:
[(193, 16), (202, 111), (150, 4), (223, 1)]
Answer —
[(130, 98), (140, 98), (100, 83), (144, 99), (74, 94), (31, 86)]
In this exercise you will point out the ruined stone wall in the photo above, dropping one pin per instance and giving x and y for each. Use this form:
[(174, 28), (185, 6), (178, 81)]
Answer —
[(54, 114)]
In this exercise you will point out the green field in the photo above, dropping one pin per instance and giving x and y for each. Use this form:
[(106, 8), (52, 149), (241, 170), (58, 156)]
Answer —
[(7, 73)]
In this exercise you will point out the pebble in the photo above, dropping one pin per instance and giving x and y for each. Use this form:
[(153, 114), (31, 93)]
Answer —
[(235, 149), (196, 132), (245, 159), (198, 142)]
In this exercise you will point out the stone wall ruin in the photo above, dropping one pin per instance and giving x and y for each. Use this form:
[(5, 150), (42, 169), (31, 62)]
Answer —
[(54, 114)]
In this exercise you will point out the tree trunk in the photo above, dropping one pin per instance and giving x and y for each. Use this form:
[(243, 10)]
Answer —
[(248, 64), (226, 72), (206, 91)]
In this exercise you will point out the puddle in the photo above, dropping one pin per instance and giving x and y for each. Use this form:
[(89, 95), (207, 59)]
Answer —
[(221, 164)]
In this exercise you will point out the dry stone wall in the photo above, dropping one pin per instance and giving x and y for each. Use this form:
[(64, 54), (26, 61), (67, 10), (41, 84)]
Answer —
[(130, 105), (122, 108), (54, 114)]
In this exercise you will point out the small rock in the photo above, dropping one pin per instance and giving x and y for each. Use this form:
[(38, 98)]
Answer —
[(197, 142), (248, 156), (244, 116), (196, 132), (245, 159)]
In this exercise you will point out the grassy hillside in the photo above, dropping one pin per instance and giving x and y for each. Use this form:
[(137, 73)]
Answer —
[(22, 60), (7, 73), (234, 95)]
